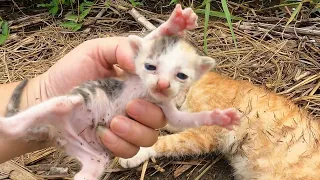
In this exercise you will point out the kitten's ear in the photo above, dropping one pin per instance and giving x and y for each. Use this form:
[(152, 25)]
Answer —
[(206, 64), (135, 42)]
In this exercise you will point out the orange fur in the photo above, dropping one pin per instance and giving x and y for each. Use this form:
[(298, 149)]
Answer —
[(276, 139)]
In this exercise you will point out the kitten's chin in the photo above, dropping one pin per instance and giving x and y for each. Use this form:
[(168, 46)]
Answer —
[(160, 95)]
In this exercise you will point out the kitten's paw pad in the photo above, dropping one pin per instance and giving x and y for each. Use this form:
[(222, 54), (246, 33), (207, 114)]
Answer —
[(226, 118), (143, 155), (181, 20), (190, 19), (185, 19)]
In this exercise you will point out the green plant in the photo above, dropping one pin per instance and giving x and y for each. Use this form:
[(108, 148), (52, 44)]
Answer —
[(54, 5), (226, 14), (135, 4), (74, 21), (217, 14), (206, 24), (4, 26), (298, 6)]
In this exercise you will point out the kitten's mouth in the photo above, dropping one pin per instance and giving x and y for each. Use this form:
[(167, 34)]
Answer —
[(161, 93)]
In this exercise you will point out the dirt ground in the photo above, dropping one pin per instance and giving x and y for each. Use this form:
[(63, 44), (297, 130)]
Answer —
[(288, 65)]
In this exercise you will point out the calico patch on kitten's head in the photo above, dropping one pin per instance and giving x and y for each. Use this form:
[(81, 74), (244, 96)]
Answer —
[(168, 65)]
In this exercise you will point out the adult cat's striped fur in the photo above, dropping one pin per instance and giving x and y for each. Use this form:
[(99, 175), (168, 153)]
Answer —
[(276, 139)]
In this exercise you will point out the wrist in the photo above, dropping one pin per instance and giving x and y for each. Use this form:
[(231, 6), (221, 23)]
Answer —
[(34, 92)]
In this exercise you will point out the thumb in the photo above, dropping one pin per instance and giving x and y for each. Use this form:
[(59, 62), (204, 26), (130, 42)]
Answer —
[(116, 50)]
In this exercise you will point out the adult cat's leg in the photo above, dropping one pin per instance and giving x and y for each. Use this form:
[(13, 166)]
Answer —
[(193, 141), (172, 129)]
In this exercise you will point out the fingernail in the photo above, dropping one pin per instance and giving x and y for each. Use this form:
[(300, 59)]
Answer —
[(120, 125), (106, 135)]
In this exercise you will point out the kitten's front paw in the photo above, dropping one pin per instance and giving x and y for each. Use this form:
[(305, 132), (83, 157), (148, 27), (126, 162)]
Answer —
[(181, 20), (225, 118), (143, 155)]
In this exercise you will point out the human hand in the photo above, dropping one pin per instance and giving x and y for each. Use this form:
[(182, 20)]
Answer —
[(94, 59)]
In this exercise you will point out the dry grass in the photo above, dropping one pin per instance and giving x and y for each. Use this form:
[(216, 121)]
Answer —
[(289, 67)]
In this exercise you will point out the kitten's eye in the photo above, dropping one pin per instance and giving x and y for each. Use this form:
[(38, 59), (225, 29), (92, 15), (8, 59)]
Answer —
[(150, 67), (182, 76)]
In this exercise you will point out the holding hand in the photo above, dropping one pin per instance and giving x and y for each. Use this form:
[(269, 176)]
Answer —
[(92, 60)]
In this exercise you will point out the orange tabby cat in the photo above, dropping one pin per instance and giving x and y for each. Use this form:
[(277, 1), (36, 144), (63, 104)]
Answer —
[(276, 140)]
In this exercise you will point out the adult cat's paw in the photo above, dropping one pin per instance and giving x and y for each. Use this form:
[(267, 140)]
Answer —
[(143, 155), (180, 20), (226, 118)]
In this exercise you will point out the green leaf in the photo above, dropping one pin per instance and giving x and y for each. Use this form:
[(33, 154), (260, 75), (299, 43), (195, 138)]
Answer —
[(71, 17), (2, 39), (135, 4), (84, 14), (85, 4), (44, 5), (5, 31), (54, 10), (228, 16), (295, 13), (71, 25), (5, 28), (107, 3), (55, 2), (290, 1), (173, 2), (217, 14), (206, 24)]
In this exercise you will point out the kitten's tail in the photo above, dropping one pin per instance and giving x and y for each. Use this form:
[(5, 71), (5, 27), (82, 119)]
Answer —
[(14, 102)]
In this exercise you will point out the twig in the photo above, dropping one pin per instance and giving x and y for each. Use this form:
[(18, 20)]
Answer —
[(99, 15), (6, 66), (27, 23), (255, 28), (208, 167), (144, 169), (18, 7), (141, 19), (25, 18), (288, 29)]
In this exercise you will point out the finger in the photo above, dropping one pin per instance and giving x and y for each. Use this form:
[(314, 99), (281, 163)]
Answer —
[(146, 113), (118, 146), (125, 56), (133, 132), (115, 50)]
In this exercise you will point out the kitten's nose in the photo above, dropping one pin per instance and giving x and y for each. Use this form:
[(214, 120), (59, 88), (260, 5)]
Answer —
[(163, 84)]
